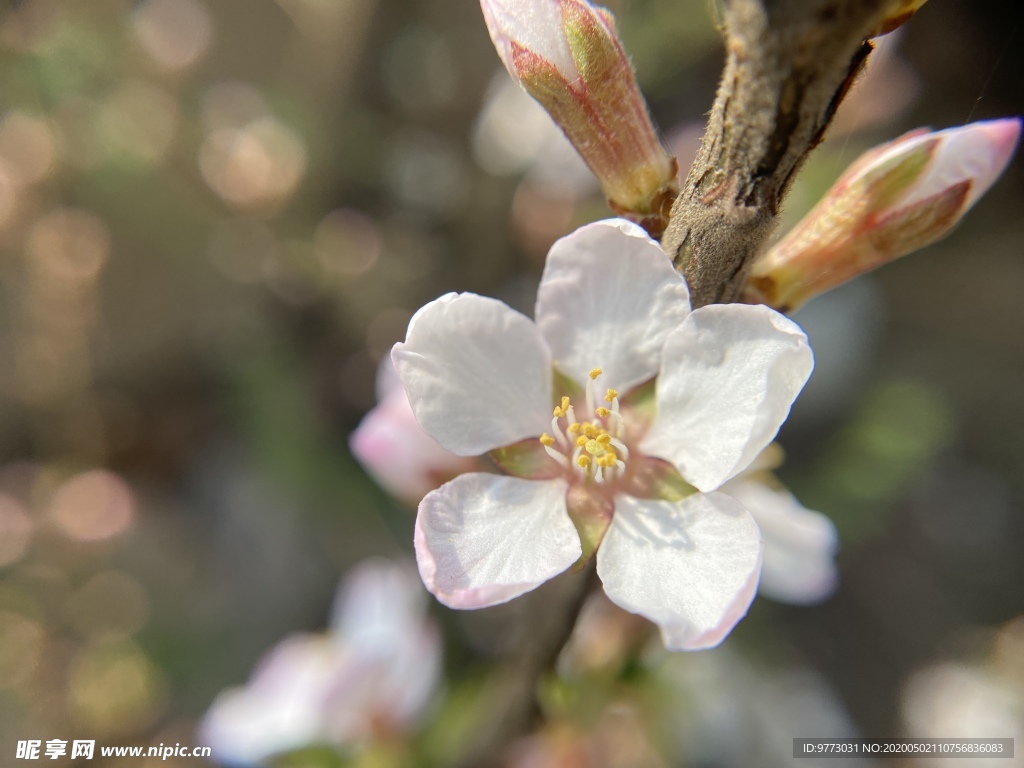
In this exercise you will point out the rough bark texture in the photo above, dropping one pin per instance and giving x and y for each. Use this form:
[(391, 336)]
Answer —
[(789, 63)]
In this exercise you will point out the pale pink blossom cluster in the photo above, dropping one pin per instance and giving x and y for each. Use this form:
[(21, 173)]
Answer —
[(369, 677)]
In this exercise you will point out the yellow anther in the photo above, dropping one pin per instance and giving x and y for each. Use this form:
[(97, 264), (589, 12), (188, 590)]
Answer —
[(565, 403), (583, 461), (604, 438), (591, 431), (574, 428), (559, 412), (581, 441), (603, 412), (547, 439), (608, 460), (595, 373), (610, 395)]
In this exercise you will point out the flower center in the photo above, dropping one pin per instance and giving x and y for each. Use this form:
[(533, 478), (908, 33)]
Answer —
[(593, 447)]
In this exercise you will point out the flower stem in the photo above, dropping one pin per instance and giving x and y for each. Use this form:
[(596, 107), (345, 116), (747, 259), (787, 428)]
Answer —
[(550, 617)]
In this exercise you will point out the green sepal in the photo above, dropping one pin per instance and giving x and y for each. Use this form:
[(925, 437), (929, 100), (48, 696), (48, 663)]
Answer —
[(526, 459), (657, 479), (885, 184), (594, 52), (563, 385), (591, 513), (642, 400)]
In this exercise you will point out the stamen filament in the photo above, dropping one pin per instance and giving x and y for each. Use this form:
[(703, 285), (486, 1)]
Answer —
[(557, 456), (616, 421), (557, 432), (620, 447)]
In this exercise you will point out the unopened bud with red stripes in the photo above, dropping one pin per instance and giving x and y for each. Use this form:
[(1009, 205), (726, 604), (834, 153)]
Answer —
[(894, 199), (567, 55)]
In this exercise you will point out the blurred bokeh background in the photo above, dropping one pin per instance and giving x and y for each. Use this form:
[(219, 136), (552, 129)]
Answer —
[(217, 217)]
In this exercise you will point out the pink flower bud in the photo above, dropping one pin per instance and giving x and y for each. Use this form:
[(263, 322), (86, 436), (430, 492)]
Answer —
[(894, 199), (567, 55)]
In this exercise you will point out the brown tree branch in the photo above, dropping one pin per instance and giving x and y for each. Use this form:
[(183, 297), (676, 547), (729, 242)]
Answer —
[(551, 615), (789, 63)]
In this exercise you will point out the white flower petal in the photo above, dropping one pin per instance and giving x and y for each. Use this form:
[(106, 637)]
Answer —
[(608, 299), (536, 25), (378, 604), (799, 544), (691, 567), (387, 381), (384, 687), (484, 539), (729, 375), (477, 373), (976, 152)]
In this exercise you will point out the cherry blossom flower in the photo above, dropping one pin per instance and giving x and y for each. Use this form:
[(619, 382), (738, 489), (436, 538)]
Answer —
[(613, 463), (799, 544), (894, 199), (370, 675)]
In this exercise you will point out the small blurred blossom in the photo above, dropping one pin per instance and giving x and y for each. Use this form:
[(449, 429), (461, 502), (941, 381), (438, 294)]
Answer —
[(671, 549), (370, 676), (958, 700), (893, 200), (514, 135), (726, 710), (175, 33), (567, 55), (962, 699), (396, 452)]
